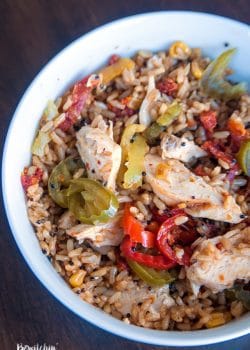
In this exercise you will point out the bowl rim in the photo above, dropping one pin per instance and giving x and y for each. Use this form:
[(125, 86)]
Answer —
[(92, 314)]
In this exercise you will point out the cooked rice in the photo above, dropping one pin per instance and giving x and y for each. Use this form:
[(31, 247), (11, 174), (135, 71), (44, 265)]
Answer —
[(104, 283)]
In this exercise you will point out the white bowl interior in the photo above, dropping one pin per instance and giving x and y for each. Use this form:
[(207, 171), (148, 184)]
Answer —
[(153, 31)]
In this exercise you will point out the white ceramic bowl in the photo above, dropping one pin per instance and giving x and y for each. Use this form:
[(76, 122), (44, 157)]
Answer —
[(152, 31)]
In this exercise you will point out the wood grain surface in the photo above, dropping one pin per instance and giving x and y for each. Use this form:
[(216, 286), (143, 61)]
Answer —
[(32, 32)]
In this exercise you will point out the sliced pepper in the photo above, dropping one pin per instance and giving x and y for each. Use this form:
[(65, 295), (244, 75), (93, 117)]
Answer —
[(159, 262), (39, 144), (90, 202), (153, 132), (59, 180), (213, 83), (170, 115), (127, 138), (236, 127), (166, 239), (243, 157), (135, 163), (136, 231), (149, 275), (43, 138), (114, 70), (51, 111)]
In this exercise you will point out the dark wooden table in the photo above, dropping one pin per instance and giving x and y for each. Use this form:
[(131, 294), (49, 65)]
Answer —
[(31, 32)]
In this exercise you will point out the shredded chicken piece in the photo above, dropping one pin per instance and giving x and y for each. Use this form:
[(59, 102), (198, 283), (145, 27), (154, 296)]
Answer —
[(174, 183), (152, 95), (105, 234), (100, 154), (159, 296), (218, 262), (180, 148)]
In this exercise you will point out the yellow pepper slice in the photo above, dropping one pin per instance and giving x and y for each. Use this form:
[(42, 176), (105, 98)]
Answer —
[(111, 72), (213, 83), (170, 115), (155, 129), (39, 144), (135, 163), (127, 136), (243, 157)]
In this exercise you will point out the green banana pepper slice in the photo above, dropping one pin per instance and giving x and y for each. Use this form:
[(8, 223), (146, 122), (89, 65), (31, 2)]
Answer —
[(90, 202), (128, 137), (151, 276), (243, 157), (59, 180), (135, 163), (153, 132), (170, 115), (212, 81)]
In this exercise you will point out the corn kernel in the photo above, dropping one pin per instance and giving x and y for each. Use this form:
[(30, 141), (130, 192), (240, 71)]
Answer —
[(216, 319), (179, 50), (196, 70), (182, 205), (77, 278)]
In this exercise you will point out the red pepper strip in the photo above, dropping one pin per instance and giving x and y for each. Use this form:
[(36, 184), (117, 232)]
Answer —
[(79, 96), (236, 128), (216, 151), (208, 120), (29, 180), (165, 239), (158, 262), (238, 133), (136, 231)]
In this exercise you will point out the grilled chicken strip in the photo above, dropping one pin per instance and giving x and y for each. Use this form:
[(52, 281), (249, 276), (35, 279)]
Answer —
[(218, 262), (105, 234), (180, 148), (173, 183), (100, 154), (159, 296)]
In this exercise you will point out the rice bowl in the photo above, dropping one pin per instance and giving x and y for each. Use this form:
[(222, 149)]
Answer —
[(141, 206)]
